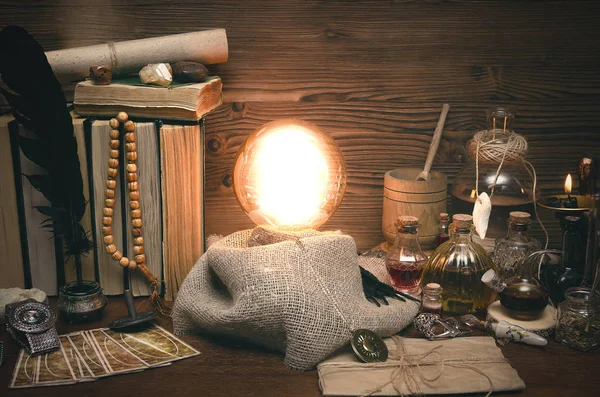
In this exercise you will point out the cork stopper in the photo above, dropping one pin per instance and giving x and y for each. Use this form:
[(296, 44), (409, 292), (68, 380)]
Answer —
[(462, 221), (433, 286), (520, 217), (444, 217), (406, 220), (432, 290)]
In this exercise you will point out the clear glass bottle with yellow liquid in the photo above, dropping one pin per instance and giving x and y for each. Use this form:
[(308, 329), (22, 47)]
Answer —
[(457, 266)]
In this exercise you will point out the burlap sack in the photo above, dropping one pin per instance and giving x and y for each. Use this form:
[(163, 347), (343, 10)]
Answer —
[(303, 298)]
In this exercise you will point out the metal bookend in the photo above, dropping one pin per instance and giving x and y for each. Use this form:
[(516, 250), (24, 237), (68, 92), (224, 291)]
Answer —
[(134, 318)]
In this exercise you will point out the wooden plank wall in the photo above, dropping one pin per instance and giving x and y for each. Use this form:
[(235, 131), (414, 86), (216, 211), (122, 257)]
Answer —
[(373, 74)]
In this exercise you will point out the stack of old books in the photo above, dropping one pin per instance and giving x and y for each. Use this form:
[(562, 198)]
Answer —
[(170, 146)]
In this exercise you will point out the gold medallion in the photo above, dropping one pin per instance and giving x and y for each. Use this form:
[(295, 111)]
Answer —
[(368, 346)]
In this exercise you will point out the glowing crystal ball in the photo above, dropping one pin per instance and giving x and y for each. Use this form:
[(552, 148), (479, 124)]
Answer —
[(289, 173)]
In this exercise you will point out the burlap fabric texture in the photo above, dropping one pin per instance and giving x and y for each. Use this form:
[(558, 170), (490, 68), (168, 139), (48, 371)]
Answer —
[(302, 297)]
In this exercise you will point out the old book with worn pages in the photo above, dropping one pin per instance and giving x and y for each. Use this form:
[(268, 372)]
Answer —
[(181, 102)]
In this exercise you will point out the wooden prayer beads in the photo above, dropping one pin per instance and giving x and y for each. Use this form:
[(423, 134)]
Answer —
[(139, 260)]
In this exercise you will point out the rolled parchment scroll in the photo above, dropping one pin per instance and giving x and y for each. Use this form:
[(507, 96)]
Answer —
[(73, 64)]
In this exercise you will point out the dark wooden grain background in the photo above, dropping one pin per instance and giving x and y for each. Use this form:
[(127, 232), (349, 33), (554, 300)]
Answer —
[(374, 74)]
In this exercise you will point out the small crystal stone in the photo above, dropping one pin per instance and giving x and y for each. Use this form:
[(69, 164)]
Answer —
[(157, 74), (189, 72)]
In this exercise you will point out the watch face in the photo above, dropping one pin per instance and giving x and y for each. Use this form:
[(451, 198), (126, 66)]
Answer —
[(32, 317)]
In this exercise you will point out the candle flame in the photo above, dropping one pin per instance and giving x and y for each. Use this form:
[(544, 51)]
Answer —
[(568, 184)]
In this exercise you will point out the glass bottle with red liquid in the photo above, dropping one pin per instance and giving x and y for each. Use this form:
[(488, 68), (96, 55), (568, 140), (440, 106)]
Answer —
[(406, 259), (442, 234)]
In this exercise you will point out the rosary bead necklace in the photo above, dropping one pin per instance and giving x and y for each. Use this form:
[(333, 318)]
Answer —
[(139, 259)]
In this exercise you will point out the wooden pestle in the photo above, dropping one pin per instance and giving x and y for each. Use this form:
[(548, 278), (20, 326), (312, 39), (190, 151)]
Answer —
[(435, 143)]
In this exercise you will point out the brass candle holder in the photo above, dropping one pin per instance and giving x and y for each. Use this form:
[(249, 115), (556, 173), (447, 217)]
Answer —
[(556, 203), (566, 204)]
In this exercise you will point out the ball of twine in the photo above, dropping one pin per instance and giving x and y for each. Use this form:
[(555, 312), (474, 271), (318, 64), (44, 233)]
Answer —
[(490, 148), (494, 146)]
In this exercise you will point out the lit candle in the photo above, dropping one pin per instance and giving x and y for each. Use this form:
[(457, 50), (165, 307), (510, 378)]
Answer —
[(568, 186), (570, 202)]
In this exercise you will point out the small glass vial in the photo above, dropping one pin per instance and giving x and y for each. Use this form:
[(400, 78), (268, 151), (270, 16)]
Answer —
[(442, 234), (432, 299), (512, 250), (405, 260), (578, 324)]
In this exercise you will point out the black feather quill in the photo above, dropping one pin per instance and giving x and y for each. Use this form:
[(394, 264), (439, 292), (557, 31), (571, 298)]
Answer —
[(38, 103)]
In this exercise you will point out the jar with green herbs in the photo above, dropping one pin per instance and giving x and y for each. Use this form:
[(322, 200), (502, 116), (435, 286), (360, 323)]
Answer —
[(578, 323)]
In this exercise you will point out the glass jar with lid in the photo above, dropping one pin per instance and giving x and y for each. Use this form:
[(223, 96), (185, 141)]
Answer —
[(512, 187), (578, 324)]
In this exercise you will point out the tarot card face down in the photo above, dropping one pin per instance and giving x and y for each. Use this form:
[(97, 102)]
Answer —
[(54, 368), (25, 371), (87, 353), (45, 370), (80, 368), (154, 346), (115, 356)]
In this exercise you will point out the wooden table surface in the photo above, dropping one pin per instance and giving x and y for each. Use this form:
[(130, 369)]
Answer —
[(230, 368)]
